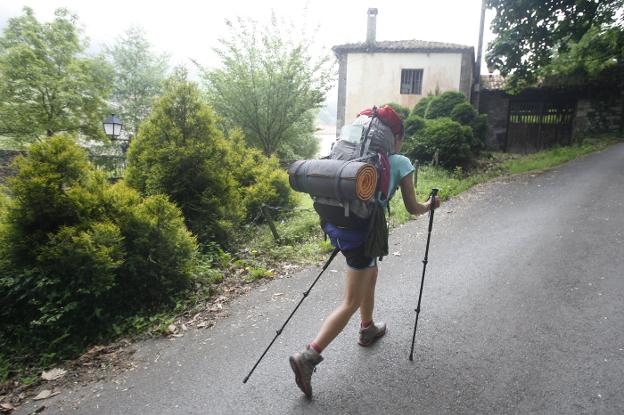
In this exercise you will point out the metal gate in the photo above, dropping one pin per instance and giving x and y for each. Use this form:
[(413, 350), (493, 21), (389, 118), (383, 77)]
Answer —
[(534, 125)]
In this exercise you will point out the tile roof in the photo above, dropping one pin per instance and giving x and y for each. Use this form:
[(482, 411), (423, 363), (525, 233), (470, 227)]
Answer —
[(492, 82), (402, 46)]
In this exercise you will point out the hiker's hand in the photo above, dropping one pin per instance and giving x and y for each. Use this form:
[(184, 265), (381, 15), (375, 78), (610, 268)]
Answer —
[(437, 203)]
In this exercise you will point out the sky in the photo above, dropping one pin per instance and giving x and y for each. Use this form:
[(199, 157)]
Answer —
[(187, 29)]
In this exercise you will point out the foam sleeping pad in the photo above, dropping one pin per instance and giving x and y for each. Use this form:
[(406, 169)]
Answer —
[(336, 179)]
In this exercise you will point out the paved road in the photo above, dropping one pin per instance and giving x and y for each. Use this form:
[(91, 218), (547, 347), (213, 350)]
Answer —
[(523, 312)]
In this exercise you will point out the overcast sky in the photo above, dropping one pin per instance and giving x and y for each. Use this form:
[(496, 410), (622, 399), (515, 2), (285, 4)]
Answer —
[(189, 29)]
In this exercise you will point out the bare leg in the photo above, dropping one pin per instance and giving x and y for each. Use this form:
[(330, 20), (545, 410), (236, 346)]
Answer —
[(368, 300), (357, 286)]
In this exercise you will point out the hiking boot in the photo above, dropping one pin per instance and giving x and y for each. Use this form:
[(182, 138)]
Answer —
[(303, 364), (371, 333)]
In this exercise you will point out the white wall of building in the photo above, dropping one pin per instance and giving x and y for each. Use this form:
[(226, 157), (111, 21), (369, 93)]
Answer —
[(375, 78)]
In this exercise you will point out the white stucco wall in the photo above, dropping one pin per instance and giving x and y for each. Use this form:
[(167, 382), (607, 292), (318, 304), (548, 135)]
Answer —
[(375, 78)]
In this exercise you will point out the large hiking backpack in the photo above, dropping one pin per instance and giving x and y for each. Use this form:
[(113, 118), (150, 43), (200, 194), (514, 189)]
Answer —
[(352, 182)]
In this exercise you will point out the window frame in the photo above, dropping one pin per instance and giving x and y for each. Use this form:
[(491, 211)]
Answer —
[(411, 81)]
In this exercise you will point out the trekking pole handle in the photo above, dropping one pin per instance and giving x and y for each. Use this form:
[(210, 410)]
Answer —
[(434, 194)]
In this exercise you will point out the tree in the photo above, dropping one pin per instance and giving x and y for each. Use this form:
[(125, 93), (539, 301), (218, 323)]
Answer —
[(597, 57), (180, 152), (138, 77), (49, 85), (530, 33), (268, 82)]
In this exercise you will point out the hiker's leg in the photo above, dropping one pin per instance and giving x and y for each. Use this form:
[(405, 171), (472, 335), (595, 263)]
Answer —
[(368, 300), (356, 285)]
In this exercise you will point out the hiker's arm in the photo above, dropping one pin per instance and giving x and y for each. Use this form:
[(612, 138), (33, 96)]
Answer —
[(409, 197)]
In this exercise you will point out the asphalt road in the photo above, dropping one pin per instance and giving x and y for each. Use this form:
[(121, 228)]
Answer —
[(523, 312)]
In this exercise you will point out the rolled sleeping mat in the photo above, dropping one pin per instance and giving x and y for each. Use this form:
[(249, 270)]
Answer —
[(336, 179)]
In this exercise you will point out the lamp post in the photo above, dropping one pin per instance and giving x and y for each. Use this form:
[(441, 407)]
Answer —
[(112, 126)]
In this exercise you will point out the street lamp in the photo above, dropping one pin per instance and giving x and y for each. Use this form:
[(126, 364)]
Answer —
[(112, 126)]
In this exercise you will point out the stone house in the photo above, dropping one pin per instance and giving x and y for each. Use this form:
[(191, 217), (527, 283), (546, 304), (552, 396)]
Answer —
[(378, 72)]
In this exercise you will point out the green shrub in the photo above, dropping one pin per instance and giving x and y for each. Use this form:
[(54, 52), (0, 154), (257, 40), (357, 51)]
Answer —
[(159, 253), (449, 138), (479, 130), (413, 124), (464, 113), (261, 179), (443, 105), (421, 106), (179, 152), (77, 253), (400, 109)]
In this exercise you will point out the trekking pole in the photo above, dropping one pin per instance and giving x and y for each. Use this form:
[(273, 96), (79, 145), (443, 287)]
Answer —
[(434, 193), (305, 294)]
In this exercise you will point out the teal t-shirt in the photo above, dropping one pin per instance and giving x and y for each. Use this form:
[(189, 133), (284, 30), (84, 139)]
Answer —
[(400, 166)]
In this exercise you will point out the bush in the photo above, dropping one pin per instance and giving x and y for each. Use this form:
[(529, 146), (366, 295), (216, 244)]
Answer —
[(449, 138), (421, 106), (443, 105), (464, 113), (261, 179), (179, 152), (413, 124), (402, 111), (479, 131), (76, 253)]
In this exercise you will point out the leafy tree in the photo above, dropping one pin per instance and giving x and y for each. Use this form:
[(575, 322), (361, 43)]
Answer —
[(598, 57), (268, 83), (49, 85), (180, 152), (138, 77), (529, 33)]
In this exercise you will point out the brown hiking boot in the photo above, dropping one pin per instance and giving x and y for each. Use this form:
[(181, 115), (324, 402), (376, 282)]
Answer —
[(303, 364), (371, 333)]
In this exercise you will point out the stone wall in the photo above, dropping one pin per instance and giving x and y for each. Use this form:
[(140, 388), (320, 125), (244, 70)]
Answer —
[(496, 105), (599, 112)]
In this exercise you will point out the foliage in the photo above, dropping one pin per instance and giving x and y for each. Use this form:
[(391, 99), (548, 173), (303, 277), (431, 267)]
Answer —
[(302, 143), (421, 106), (139, 74), (529, 33), (49, 85), (442, 106), (268, 84), (180, 152), (448, 138), (260, 179), (402, 111), (479, 131), (76, 253), (413, 124), (597, 57), (464, 113)]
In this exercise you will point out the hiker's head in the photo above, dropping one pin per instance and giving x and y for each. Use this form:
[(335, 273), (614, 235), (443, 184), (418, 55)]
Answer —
[(398, 142)]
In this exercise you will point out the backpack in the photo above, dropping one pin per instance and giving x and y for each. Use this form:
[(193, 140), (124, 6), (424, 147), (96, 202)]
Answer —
[(362, 147)]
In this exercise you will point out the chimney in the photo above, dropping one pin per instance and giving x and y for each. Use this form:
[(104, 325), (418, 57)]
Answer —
[(371, 26)]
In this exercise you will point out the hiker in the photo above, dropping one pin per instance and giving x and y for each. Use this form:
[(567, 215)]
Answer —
[(361, 275)]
